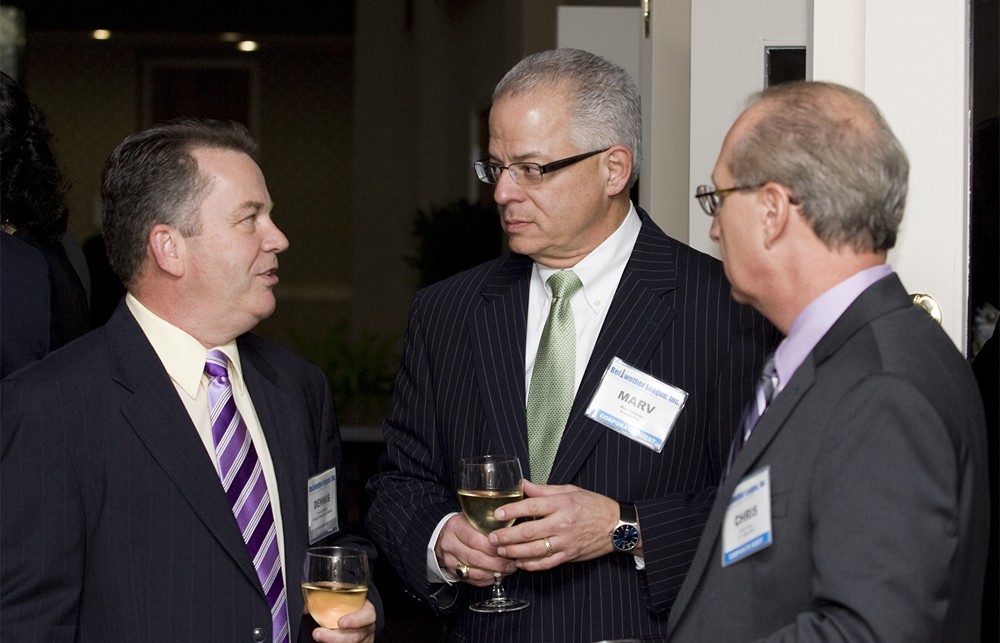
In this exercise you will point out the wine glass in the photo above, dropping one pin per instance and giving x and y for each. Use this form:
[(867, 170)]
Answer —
[(334, 582), (485, 483)]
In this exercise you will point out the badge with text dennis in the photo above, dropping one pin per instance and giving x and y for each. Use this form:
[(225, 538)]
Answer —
[(323, 505), (636, 404)]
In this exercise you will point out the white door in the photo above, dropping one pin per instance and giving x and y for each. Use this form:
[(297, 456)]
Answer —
[(700, 59)]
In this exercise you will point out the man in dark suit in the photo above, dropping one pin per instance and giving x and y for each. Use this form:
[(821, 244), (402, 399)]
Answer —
[(857, 506), (612, 514), (156, 472)]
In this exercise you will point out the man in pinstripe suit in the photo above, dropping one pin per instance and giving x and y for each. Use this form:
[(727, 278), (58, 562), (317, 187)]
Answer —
[(116, 526), (564, 143)]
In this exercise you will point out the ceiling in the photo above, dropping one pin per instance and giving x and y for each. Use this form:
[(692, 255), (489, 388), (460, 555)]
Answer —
[(191, 16)]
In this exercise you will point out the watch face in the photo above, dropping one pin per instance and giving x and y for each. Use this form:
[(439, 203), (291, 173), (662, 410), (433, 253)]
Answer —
[(625, 537)]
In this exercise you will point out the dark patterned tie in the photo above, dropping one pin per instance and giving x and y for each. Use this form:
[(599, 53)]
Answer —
[(246, 489), (767, 383), (550, 396)]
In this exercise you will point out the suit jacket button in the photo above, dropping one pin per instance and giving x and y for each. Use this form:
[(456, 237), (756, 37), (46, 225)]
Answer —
[(258, 635)]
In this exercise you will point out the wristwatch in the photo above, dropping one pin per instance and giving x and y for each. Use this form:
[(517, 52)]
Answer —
[(625, 535)]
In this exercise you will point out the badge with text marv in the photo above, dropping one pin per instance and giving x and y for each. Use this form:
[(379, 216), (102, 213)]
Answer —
[(747, 526), (323, 505), (636, 404)]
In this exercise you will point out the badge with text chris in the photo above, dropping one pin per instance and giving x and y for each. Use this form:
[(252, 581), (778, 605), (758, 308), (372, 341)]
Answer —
[(636, 404), (747, 527)]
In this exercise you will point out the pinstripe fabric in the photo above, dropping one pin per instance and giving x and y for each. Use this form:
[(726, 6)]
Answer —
[(137, 542), (460, 391), (879, 499)]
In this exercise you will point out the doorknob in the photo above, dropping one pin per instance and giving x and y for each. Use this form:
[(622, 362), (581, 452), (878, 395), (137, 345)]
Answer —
[(929, 304)]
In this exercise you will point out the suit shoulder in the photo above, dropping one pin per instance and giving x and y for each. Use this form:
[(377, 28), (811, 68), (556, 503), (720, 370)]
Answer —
[(276, 355), (83, 357), (463, 286)]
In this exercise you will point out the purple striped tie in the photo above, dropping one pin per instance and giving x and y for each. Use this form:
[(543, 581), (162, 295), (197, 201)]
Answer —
[(244, 484), (767, 382)]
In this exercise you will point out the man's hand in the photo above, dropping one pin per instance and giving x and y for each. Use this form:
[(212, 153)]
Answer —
[(356, 627), (460, 545), (571, 524)]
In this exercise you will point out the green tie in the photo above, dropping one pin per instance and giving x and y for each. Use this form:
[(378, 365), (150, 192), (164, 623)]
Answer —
[(553, 378)]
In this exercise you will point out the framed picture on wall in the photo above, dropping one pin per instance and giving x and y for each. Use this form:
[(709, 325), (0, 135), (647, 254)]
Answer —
[(201, 88)]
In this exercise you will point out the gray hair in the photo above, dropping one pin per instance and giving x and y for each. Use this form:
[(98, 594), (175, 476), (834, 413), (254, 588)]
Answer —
[(832, 148), (151, 178), (606, 106)]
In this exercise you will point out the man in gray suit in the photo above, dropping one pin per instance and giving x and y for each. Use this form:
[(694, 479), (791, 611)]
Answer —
[(856, 507), (159, 476), (621, 464)]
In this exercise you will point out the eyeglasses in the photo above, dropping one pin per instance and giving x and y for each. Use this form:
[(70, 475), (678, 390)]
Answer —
[(710, 199), (526, 173)]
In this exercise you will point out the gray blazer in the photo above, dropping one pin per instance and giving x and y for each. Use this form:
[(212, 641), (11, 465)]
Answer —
[(877, 456)]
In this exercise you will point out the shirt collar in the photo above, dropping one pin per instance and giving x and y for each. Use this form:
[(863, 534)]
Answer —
[(816, 319), (600, 270), (182, 355)]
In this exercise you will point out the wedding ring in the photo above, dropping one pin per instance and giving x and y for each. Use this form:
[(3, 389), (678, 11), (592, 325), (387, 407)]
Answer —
[(548, 546), (462, 570)]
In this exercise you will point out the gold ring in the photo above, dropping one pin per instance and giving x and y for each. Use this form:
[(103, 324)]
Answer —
[(462, 570), (548, 546)]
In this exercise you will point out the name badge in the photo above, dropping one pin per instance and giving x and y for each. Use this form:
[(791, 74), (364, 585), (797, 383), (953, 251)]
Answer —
[(323, 505), (747, 526), (636, 404)]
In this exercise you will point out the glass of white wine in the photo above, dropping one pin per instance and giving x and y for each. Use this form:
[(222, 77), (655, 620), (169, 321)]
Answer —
[(485, 483), (334, 582)]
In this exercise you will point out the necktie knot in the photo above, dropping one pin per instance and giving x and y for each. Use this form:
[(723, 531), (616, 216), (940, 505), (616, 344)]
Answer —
[(563, 284), (216, 364)]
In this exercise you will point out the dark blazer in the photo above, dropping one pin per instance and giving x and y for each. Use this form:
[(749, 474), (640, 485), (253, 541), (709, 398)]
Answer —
[(115, 526), (24, 304), (70, 316), (461, 391), (877, 456)]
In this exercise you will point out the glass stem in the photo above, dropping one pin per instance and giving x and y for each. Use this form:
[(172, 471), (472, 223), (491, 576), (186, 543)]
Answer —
[(498, 593)]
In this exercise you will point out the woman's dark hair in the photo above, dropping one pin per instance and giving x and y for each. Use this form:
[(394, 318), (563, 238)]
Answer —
[(33, 191)]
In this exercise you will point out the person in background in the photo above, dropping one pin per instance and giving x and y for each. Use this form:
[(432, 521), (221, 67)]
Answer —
[(33, 210), (615, 507), (158, 475), (24, 304), (856, 508)]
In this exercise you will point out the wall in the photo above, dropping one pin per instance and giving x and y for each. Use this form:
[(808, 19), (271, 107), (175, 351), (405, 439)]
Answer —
[(91, 94), (727, 51)]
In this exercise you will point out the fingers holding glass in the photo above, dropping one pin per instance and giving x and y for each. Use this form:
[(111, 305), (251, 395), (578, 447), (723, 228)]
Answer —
[(486, 483)]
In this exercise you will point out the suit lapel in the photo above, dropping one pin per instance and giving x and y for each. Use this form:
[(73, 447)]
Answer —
[(640, 315), (280, 421), (159, 419), (497, 332)]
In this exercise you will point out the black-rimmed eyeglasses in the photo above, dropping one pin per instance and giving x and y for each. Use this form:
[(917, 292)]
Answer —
[(710, 198), (526, 173)]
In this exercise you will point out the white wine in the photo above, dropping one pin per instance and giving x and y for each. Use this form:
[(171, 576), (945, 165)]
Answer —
[(327, 601), (478, 507)]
